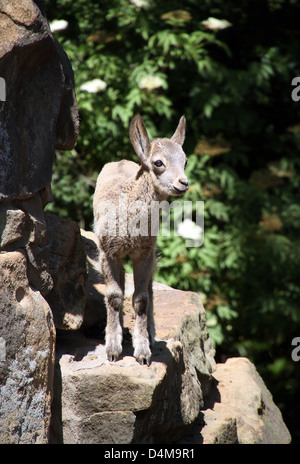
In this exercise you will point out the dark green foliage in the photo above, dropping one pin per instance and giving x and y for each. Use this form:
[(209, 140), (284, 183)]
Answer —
[(243, 141)]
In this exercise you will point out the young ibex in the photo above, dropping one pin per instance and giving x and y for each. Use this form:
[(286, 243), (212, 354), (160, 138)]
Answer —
[(160, 174)]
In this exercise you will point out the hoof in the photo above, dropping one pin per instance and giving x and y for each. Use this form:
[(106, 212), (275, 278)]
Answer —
[(143, 356), (112, 357), (113, 350)]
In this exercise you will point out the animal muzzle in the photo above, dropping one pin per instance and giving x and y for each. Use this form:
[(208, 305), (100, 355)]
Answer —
[(181, 186)]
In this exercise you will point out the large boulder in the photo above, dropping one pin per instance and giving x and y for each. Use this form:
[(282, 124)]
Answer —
[(242, 395), (239, 409), (40, 111), (27, 337), (123, 402)]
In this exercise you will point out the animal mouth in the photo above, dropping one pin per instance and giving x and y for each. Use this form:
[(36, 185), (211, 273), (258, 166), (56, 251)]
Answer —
[(179, 191)]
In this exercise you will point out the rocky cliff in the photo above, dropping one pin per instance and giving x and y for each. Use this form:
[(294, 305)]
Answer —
[(55, 383), (182, 397), (38, 115)]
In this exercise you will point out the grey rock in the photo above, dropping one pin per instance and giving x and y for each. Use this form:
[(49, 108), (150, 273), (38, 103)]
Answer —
[(40, 99), (27, 357), (243, 393), (23, 226), (239, 409), (145, 404), (95, 310), (68, 268), (67, 123)]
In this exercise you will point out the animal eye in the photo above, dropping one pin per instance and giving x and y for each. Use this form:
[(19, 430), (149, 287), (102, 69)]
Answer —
[(158, 163), (185, 164)]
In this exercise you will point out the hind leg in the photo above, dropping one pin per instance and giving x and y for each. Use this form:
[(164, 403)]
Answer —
[(113, 273)]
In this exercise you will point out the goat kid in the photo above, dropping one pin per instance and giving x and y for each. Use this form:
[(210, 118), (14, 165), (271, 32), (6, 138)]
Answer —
[(159, 175)]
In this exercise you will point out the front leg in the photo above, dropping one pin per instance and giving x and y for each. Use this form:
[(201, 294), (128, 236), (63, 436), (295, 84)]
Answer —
[(113, 331), (141, 343), (143, 333)]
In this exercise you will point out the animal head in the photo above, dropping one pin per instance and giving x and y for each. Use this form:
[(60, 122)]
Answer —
[(163, 158)]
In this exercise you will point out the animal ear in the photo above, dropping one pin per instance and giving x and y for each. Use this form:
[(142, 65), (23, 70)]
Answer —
[(139, 138), (179, 134)]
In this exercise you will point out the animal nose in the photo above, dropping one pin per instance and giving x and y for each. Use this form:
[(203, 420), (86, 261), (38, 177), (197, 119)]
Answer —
[(184, 182)]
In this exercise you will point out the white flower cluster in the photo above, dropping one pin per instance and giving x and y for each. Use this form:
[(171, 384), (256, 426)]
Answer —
[(150, 82), (94, 86), (189, 229), (215, 24), (140, 3), (58, 25)]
